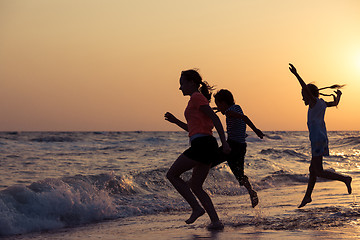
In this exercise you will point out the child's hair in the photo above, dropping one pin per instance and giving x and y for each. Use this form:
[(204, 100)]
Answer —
[(203, 86), (315, 91), (224, 95)]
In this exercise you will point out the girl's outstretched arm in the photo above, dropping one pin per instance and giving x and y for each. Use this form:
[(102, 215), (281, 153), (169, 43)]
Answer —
[(336, 99), (247, 120), (294, 71), (207, 110), (306, 90), (171, 118)]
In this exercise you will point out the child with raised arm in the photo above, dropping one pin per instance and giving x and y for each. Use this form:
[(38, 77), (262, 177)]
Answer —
[(200, 120), (236, 123), (318, 134)]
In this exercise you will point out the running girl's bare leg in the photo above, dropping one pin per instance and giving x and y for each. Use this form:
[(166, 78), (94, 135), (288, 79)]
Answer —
[(199, 175), (311, 183), (336, 176), (320, 172), (181, 165), (316, 170)]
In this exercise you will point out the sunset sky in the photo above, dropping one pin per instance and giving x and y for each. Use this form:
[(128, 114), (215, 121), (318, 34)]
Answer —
[(91, 65)]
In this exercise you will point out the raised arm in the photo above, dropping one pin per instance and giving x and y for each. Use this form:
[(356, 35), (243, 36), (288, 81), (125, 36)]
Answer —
[(171, 118), (247, 120), (336, 99), (294, 71), (304, 87), (207, 110)]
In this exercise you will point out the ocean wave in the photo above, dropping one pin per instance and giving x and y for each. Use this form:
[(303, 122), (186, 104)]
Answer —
[(154, 140), (51, 204), (118, 149), (282, 178), (349, 141), (273, 137), (53, 139), (282, 153), (267, 137), (254, 139), (70, 201)]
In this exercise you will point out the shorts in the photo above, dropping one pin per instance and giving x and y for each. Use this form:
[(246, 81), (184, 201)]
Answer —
[(203, 149)]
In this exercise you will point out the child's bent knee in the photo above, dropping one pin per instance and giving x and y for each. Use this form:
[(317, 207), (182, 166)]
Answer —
[(196, 187), (314, 171), (169, 176)]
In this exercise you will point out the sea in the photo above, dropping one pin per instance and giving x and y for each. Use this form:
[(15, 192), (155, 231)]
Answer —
[(51, 181)]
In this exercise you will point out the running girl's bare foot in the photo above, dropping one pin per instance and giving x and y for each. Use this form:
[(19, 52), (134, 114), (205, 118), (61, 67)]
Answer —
[(195, 215), (215, 226), (305, 201), (348, 184), (254, 198)]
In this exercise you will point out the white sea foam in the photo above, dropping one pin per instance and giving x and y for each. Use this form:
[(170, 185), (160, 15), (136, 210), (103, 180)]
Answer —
[(52, 203)]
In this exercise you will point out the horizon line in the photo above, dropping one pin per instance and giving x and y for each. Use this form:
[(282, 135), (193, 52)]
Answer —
[(100, 131)]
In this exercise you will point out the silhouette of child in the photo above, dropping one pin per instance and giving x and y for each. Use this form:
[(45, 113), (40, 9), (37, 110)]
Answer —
[(200, 119), (236, 123), (318, 134)]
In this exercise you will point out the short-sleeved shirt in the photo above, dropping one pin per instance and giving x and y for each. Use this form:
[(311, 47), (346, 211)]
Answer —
[(197, 121), (235, 127)]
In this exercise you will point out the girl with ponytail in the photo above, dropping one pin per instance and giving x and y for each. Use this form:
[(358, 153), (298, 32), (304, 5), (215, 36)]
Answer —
[(318, 134), (200, 120)]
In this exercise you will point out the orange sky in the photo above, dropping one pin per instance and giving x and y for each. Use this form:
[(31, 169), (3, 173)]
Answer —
[(114, 65)]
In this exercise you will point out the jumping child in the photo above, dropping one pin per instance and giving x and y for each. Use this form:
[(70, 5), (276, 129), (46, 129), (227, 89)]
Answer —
[(236, 123), (318, 134)]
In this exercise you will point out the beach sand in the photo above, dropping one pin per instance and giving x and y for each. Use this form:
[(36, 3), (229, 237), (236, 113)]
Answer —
[(333, 214)]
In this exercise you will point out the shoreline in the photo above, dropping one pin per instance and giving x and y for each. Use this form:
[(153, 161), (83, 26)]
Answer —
[(332, 215)]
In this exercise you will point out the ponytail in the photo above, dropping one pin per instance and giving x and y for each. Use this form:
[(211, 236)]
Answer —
[(206, 90), (335, 86)]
